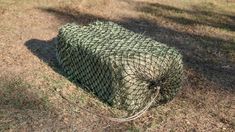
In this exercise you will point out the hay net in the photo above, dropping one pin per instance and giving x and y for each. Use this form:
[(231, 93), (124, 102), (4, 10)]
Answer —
[(120, 67)]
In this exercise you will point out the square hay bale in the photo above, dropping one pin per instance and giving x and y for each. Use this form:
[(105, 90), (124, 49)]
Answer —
[(120, 67)]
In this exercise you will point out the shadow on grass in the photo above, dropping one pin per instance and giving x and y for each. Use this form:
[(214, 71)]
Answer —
[(204, 14), (17, 94), (23, 108), (71, 15)]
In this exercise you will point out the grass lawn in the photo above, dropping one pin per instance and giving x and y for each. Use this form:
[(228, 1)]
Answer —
[(33, 88)]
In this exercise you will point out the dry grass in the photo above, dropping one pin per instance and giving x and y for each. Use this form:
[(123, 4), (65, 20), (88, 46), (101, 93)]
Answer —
[(16, 94), (32, 84)]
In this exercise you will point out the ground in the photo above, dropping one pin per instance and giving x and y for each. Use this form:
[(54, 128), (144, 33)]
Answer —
[(36, 96)]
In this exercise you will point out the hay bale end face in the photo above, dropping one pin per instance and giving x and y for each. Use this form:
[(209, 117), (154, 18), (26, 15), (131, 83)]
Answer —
[(120, 67)]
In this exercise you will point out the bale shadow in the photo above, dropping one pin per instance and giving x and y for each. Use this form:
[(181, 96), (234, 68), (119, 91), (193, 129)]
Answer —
[(46, 51)]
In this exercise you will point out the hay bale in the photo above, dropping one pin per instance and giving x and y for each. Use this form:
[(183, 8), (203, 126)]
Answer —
[(120, 67)]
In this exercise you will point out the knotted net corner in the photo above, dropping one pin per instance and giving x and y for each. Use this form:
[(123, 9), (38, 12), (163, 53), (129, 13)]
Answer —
[(120, 67)]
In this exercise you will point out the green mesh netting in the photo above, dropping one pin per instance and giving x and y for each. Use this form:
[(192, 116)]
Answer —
[(120, 67)]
